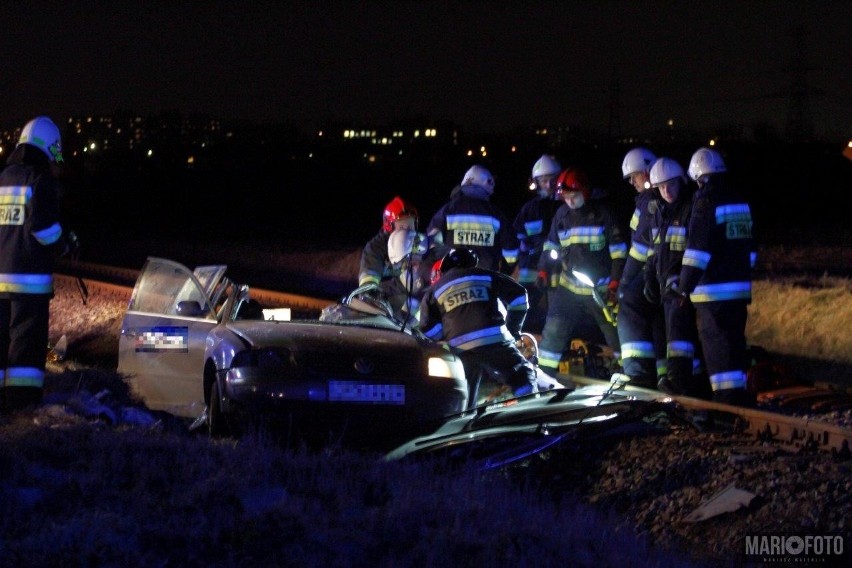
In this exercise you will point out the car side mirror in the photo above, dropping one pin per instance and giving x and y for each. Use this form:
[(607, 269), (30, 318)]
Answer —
[(189, 308)]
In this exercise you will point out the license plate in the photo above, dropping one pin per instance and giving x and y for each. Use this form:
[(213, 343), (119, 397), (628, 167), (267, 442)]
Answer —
[(351, 391)]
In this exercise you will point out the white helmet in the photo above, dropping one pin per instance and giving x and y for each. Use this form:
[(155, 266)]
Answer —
[(546, 166), (637, 160), (477, 175), (705, 161), (665, 169), (42, 133), (403, 242)]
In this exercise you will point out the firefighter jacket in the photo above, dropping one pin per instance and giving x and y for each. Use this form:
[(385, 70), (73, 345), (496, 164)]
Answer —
[(720, 251), (588, 240), (29, 224), (375, 265), (465, 308), (532, 224), (641, 240), (669, 234), (469, 219)]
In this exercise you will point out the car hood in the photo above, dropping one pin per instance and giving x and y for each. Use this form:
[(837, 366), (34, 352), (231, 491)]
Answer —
[(524, 426), (332, 347)]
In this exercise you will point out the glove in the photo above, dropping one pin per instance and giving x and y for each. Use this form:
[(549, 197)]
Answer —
[(542, 281), (651, 291), (612, 293), (673, 292)]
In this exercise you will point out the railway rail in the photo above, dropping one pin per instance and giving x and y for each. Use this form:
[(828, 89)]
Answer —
[(800, 417)]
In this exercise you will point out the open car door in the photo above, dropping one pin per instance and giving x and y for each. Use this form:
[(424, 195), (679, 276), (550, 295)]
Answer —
[(161, 343)]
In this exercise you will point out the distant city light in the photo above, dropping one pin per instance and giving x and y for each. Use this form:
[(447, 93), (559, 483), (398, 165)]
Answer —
[(150, 153), (712, 142), (670, 122)]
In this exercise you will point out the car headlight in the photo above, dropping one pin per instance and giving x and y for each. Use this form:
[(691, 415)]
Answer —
[(266, 358), (449, 368)]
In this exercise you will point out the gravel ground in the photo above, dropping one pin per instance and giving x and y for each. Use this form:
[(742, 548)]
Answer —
[(655, 482)]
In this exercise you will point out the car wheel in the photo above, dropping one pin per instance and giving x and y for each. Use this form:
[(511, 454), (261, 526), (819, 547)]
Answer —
[(218, 424)]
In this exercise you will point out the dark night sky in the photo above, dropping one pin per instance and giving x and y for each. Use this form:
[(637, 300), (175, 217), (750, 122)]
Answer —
[(485, 65)]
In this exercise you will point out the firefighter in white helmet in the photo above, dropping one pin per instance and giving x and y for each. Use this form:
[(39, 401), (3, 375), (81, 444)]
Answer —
[(31, 238), (531, 224), (411, 260), (471, 220), (641, 330), (716, 275), (685, 373)]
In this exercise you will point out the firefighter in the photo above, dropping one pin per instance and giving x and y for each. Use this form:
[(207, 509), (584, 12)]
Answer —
[(716, 275), (641, 330), (585, 237), (412, 260), (30, 238), (685, 374), (465, 307), (471, 220), (531, 225), (375, 266)]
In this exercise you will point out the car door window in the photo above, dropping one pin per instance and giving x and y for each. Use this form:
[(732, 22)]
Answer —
[(167, 288)]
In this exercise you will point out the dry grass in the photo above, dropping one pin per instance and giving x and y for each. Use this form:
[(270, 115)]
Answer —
[(804, 318), (804, 323)]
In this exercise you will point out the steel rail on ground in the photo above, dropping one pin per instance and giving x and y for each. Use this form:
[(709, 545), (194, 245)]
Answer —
[(115, 283), (796, 432)]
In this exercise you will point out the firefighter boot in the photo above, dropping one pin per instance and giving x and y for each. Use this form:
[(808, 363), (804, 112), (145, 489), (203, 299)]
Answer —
[(671, 385), (735, 397)]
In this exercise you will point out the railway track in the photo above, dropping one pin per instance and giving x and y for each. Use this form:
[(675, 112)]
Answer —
[(800, 416), (118, 282)]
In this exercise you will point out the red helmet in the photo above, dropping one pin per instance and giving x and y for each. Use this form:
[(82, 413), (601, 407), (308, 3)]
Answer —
[(573, 179), (395, 210), (435, 273)]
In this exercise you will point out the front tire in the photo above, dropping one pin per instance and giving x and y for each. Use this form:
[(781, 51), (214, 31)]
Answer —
[(218, 424)]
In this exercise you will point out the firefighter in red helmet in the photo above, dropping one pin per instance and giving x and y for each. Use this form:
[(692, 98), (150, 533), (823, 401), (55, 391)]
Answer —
[(585, 237), (375, 265)]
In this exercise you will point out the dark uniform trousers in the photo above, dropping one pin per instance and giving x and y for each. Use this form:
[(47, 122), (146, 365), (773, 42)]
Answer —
[(24, 328), (490, 359), (565, 313), (642, 334), (683, 350), (720, 326)]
